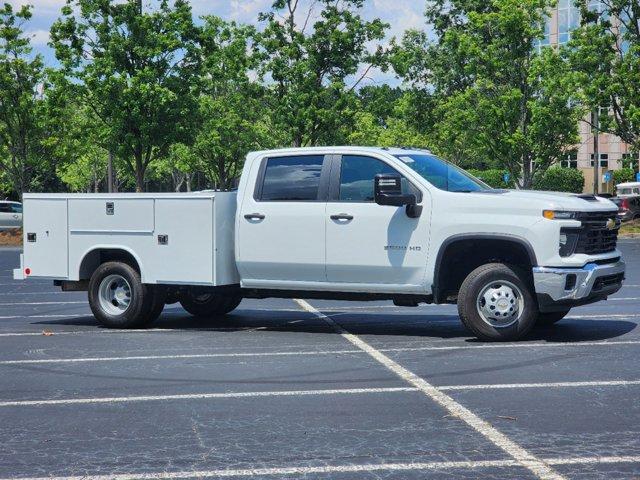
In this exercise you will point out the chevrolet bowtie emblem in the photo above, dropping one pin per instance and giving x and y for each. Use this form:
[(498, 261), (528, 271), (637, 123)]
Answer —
[(611, 224)]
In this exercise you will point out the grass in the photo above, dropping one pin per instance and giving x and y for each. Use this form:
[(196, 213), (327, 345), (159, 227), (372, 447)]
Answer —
[(630, 228), (11, 238)]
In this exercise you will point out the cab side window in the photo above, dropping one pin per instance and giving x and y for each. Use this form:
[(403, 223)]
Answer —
[(357, 176), (5, 208), (292, 179), (15, 208)]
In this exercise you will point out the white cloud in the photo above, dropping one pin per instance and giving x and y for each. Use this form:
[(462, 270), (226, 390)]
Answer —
[(38, 37)]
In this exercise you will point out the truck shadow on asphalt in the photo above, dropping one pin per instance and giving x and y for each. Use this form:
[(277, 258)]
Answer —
[(443, 326)]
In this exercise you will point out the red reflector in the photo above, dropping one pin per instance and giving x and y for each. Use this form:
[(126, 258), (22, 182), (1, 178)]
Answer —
[(27, 271)]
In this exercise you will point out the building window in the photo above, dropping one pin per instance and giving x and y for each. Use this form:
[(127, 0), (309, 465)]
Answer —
[(570, 160), (604, 160), (568, 20)]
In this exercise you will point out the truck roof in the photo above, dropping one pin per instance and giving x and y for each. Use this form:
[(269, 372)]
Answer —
[(343, 149)]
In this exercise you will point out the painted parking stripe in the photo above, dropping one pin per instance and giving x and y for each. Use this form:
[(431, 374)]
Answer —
[(204, 396), (537, 466), (605, 383), (307, 352), (177, 357), (327, 469), (42, 303)]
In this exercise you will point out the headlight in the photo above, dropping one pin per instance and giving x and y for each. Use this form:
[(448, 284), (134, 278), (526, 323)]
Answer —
[(568, 241), (558, 215)]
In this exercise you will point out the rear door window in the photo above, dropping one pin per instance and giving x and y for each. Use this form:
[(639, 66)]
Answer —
[(292, 179)]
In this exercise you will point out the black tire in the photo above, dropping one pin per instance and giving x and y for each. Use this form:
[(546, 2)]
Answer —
[(546, 319), (159, 293), (209, 304), (476, 282), (141, 299)]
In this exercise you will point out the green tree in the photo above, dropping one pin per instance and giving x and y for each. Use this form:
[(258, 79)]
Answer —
[(313, 70), (624, 175), (137, 71), (605, 54), (232, 107), (499, 101), (22, 126)]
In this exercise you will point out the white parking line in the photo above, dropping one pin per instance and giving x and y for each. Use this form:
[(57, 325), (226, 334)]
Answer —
[(302, 352), (327, 469), (176, 357), (203, 396), (537, 466), (48, 292), (42, 303), (498, 386)]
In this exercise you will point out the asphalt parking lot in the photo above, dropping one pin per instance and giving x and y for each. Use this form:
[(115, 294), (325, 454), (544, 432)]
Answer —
[(286, 389)]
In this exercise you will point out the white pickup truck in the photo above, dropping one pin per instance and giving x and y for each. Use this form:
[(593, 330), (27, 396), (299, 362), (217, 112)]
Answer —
[(331, 223)]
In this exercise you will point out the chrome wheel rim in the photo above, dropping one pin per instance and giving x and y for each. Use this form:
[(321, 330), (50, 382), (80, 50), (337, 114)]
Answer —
[(114, 295), (500, 304)]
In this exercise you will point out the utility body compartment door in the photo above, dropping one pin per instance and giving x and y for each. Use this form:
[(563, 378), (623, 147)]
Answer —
[(45, 237)]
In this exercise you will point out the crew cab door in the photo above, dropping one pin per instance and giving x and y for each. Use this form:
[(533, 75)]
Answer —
[(369, 243), (281, 233)]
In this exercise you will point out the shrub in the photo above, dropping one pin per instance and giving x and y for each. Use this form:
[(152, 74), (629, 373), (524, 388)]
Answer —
[(558, 179), (624, 175), (494, 178)]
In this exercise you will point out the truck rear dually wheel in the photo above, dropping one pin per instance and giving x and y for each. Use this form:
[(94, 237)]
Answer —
[(496, 304), (204, 304), (118, 298)]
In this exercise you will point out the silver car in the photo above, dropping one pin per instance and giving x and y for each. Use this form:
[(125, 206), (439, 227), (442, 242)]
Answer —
[(10, 215)]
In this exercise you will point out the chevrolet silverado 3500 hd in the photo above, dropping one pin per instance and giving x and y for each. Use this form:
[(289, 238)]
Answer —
[(331, 223)]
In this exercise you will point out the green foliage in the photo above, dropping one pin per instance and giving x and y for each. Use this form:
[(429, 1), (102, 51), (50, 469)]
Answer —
[(22, 129), (498, 102), (493, 177), (307, 70), (624, 175), (558, 179), (138, 71), (606, 59)]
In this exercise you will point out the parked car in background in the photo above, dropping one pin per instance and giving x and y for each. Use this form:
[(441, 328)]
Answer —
[(628, 189), (628, 207), (10, 215)]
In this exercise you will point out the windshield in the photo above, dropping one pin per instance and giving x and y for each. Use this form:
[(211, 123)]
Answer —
[(443, 175)]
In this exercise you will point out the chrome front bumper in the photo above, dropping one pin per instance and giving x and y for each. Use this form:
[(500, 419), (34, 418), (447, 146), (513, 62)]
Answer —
[(592, 281)]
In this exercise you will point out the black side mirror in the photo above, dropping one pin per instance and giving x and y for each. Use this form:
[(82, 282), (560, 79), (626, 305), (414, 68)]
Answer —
[(388, 191)]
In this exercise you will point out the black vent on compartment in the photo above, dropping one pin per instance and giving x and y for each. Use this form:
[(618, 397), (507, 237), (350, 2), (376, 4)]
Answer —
[(596, 234)]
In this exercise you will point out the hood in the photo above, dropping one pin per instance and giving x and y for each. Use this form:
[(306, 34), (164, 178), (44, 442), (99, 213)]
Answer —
[(562, 200)]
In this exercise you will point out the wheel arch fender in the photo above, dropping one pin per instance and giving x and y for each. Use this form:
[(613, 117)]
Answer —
[(505, 240), (96, 255)]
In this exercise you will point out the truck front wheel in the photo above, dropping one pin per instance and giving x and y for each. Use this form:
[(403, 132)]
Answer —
[(118, 298), (205, 304), (496, 304)]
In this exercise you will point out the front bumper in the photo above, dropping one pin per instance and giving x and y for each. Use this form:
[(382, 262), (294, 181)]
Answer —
[(562, 288)]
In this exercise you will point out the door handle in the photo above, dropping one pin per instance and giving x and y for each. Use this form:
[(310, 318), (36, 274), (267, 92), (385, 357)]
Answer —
[(16, 217), (342, 216), (254, 216)]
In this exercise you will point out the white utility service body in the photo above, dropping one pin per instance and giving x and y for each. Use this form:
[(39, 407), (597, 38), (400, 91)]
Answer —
[(175, 238), (351, 223)]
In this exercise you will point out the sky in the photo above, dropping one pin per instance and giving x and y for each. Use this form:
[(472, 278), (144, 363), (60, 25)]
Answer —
[(400, 14)]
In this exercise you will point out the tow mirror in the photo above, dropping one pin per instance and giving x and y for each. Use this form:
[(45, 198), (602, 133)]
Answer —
[(388, 191)]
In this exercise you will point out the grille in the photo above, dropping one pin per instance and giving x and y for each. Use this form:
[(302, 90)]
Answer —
[(594, 236), (608, 281)]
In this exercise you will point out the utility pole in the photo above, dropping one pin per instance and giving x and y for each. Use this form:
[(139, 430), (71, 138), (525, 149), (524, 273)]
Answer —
[(110, 181), (595, 124)]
